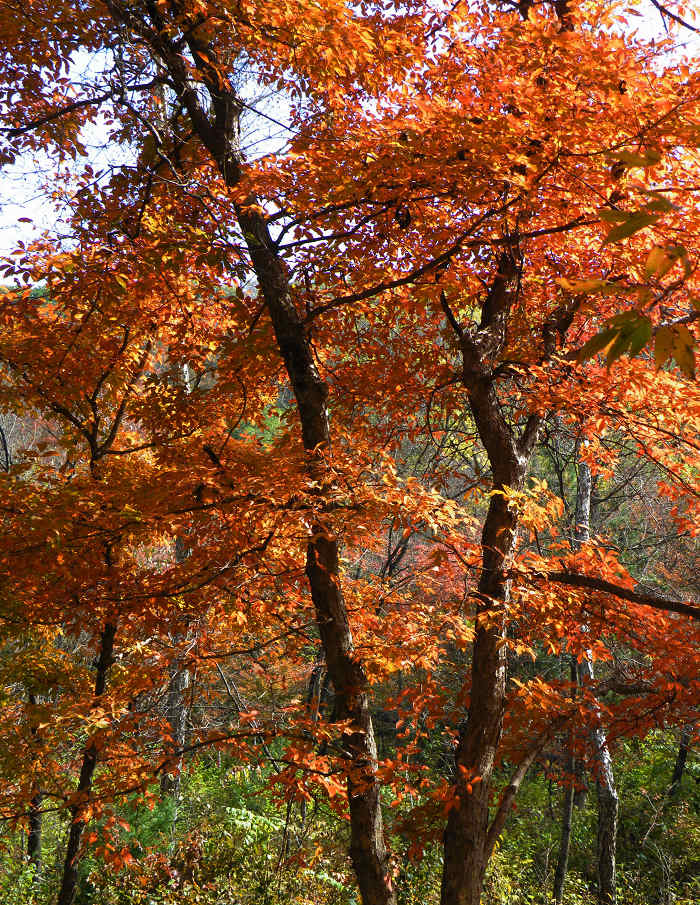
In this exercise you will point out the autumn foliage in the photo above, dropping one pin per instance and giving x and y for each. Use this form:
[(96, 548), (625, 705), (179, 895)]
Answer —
[(285, 399)]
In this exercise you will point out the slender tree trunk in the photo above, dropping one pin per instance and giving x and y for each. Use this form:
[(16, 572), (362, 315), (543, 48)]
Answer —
[(318, 685), (176, 708), (176, 705), (581, 792), (69, 879), (34, 834), (35, 814), (681, 758), (567, 810), (608, 805), (579, 534), (607, 793), (676, 777), (584, 486)]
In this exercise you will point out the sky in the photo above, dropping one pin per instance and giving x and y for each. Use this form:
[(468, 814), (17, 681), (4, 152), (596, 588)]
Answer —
[(25, 212)]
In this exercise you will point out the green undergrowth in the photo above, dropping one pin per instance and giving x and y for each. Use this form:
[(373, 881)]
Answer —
[(228, 842)]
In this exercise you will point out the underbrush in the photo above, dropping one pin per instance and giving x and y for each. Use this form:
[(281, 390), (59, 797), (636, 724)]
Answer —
[(228, 842)]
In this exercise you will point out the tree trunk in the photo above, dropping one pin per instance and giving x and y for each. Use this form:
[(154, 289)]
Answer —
[(177, 712), (69, 879), (368, 849), (218, 130), (584, 486), (581, 792), (367, 846), (35, 814), (579, 534), (607, 793), (567, 810), (34, 834), (681, 758), (466, 833), (467, 843), (176, 706), (608, 804), (177, 718)]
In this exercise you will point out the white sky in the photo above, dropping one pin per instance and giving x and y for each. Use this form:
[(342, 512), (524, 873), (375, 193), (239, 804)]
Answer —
[(21, 185)]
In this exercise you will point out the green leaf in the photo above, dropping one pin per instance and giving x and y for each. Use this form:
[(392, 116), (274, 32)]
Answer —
[(596, 344), (588, 287), (659, 204), (639, 337), (648, 158), (661, 201), (628, 332), (677, 342), (637, 221), (617, 348), (658, 262), (611, 216), (679, 251), (626, 320)]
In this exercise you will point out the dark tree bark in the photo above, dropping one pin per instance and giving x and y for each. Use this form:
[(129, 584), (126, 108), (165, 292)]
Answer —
[(681, 758), (35, 814), (581, 791), (466, 839), (218, 129), (676, 777), (579, 534), (34, 834), (567, 811), (368, 849), (467, 825), (69, 879)]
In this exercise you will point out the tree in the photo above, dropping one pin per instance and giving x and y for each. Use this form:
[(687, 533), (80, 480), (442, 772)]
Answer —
[(454, 183)]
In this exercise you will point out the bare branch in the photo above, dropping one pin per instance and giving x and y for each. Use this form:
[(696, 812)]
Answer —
[(599, 584)]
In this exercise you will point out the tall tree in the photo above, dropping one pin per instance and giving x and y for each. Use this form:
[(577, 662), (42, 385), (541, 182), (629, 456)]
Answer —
[(456, 187)]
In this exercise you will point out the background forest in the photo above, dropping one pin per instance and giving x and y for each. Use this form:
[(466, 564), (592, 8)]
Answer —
[(349, 432)]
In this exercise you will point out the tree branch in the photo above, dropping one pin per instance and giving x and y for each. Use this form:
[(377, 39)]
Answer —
[(508, 796), (576, 580), (665, 11)]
